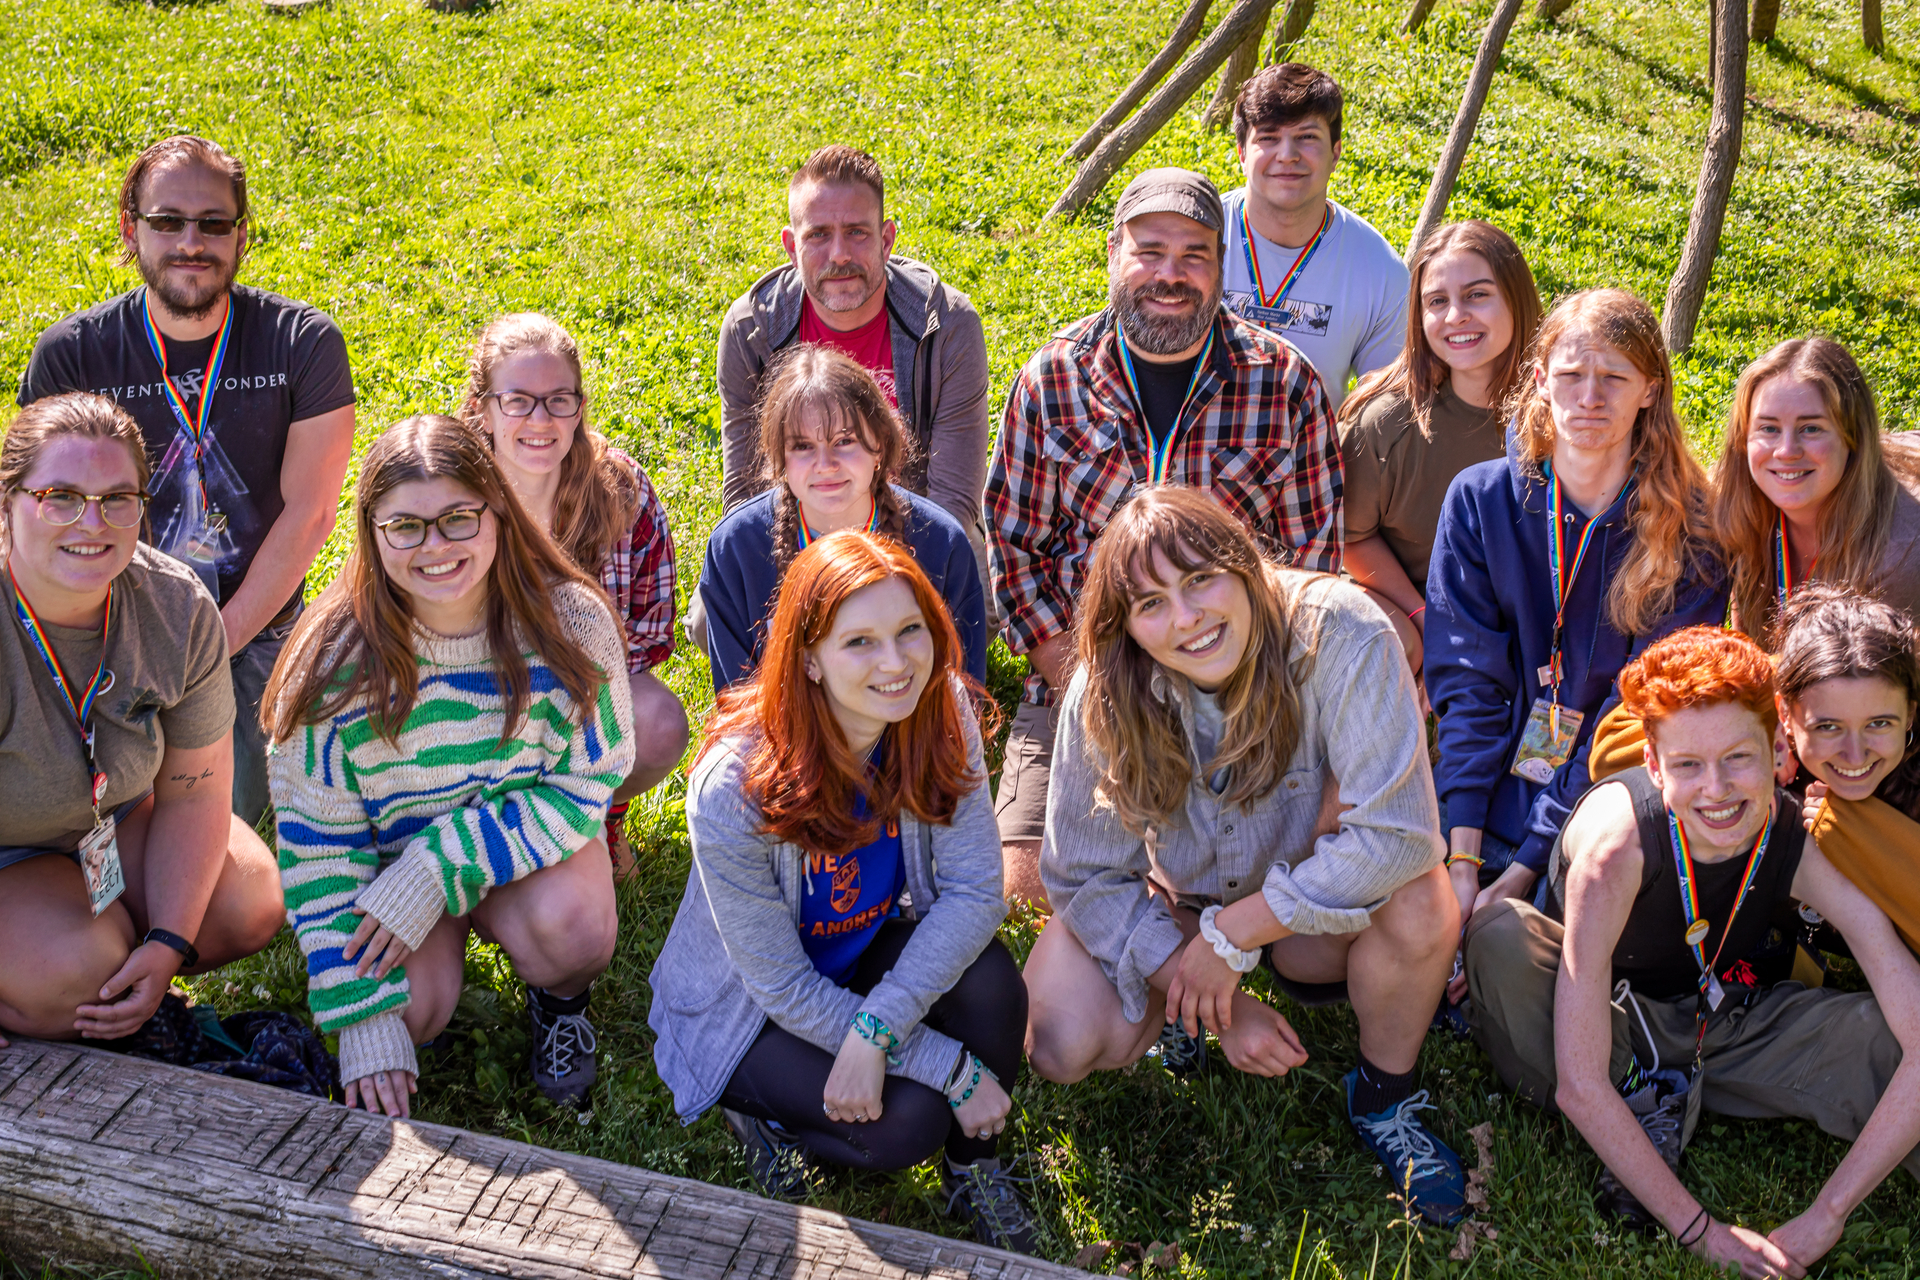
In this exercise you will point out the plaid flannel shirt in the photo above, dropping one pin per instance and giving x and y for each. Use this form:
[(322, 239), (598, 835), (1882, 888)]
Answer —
[(1257, 434), (638, 576)]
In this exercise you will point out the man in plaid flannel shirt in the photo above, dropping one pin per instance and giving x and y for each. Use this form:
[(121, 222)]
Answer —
[(1194, 395)]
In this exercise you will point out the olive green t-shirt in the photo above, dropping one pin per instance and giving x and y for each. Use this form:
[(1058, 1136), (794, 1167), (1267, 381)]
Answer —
[(1396, 478), (168, 654)]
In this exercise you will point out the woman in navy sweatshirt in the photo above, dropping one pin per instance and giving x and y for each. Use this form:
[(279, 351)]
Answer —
[(1527, 631), (833, 446)]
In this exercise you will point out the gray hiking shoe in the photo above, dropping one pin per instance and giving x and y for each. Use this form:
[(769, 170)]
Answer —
[(985, 1195), (1661, 1108), (774, 1157), (562, 1057), (1181, 1054)]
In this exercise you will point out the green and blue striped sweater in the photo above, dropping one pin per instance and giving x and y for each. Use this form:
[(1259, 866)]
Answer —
[(423, 826)]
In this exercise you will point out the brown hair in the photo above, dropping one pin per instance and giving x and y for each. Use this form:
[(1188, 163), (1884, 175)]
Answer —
[(1828, 631), (1668, 519), (1283, 95), (1134, 728), (598, 498), (355, 646), (1859, 514), (829, 386), (1417, 374), (182, 148), (75, 413), (800, 770), (840, 165)]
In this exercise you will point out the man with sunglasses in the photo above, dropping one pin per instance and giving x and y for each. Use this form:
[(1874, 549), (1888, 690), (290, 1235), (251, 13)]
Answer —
[(245, 400)]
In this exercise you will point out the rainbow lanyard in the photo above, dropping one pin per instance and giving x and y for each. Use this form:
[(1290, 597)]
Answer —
[(808, 535), (1160, 452), (1292, 275), (1564, 574), (194, 424), (1783, 583), (1697, 927), (82, 706)]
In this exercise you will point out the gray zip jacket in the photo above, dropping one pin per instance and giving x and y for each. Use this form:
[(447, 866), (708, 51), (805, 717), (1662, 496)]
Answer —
[(940, 371), (1359, 723), (733, 958)]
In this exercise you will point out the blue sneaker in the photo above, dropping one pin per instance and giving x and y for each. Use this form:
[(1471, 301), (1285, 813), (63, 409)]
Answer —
[(1426, 1170), (1181, 1054)]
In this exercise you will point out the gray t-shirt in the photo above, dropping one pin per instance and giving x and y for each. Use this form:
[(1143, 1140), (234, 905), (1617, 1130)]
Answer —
[(1347, 313), (168, 654)]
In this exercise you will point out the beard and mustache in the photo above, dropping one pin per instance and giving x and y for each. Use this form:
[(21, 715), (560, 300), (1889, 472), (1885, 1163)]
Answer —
[(1164, 335), (189, 301), (851, 271)]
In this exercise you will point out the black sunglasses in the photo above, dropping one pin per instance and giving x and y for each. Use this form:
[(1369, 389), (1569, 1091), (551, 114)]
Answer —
[(172, 224)]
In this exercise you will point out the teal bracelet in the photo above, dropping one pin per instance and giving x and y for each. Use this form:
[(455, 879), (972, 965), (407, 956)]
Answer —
[(871, 1029), (973, 1084)]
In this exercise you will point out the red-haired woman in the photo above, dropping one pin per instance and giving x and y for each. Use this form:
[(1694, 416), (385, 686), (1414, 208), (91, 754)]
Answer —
[(832, 979)]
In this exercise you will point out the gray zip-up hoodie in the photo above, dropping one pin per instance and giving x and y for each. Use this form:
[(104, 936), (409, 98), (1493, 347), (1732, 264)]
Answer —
[(733, 958), (940, 373)]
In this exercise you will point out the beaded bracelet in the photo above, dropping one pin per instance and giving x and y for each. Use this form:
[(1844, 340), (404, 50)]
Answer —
[(960, 1069), (1471, 859), (871, 1029)]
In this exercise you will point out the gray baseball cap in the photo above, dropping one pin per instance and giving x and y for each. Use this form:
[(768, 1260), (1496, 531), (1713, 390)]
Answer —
[(1180, 191)]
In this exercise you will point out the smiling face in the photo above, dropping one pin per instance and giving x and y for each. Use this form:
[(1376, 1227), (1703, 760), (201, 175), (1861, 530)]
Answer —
[(1463, 314), (188, 272), (60, 565), (1794, 448), (1594, 392), (874, 661), (838, 238), (445, 582), (1851, 732), (830, 470), (1195, 623), (1714, 767), (1163, 279), (536, 444), (1288, 166)]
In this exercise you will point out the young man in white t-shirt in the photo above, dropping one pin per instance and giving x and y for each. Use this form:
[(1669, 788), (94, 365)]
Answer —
[(1318, 275)]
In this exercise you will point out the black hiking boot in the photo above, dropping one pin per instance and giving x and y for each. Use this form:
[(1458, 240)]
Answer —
[(563, 1046), (774, 1157), (984, 1195), (1182, 1055), (1660, 1106)]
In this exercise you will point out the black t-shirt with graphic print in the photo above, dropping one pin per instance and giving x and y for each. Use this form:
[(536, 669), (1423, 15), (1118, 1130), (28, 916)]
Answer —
[(286, 361)]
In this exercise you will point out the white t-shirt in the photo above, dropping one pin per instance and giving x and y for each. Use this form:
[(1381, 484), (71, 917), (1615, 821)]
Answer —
[(1347, 313)]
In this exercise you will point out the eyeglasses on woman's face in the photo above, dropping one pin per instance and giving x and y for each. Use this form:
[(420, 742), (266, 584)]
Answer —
[(404, 533), (63, 507), (520, 404)]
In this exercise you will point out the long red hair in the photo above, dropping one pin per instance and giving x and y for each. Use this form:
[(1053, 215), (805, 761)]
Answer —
[(800, 769)]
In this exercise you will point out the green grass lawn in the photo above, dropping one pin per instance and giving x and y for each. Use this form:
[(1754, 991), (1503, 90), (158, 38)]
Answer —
[(621, 166)]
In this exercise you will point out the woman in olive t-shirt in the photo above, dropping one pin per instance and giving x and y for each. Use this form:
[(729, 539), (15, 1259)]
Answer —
[(103, 631)]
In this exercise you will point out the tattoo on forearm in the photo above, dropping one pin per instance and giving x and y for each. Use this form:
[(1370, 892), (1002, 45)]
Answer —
[(191, 779)]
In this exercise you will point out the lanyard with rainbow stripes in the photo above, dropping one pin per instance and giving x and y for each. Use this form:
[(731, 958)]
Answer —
[(1292, 276), (82, 706), (194, 424), (1564, 574), (1783, 583), (1697, 926), (808, 535), (1159, 451)]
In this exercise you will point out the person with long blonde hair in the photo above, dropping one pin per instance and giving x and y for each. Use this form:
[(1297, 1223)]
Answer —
[(1217, 697), (526, 393), (1551, 569), (832, 979), (449, 730)]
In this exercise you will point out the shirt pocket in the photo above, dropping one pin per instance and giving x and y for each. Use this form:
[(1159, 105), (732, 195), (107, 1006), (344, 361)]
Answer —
[(1248, 481)]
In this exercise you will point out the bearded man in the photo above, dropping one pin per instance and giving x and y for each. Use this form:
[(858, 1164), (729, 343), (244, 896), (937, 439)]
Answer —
[(1163, 385), (245, 399)]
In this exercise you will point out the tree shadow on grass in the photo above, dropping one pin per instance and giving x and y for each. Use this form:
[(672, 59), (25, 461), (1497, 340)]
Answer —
[(1866, 95)]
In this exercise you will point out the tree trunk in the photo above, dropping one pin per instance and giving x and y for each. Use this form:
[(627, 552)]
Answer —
[(1183, 35), (1293, 29), (1766, 20), (1416, 16), (1551, 9), (1119, 146), (1870, 29), (1689, 288), (1468, 117), (1240, 65), (1714, 12)]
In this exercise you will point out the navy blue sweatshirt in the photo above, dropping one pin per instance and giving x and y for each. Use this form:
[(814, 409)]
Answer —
[(738, 580), (1490, 607)]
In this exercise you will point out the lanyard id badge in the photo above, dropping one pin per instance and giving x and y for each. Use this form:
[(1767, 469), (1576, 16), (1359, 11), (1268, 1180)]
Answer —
[(1548, 741), (1551, 728), (1712, 994), (100, 853)]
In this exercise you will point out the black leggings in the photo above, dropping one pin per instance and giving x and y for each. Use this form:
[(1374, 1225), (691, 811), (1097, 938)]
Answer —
[(784, 1078)]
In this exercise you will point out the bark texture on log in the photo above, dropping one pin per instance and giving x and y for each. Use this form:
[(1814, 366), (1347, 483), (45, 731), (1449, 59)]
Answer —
[(1447, 172), (1293, 29), (1120, 145), (1688, 292), (1416, 16), (1241, 63), (103, 1158), (1551, 9), (1766, 20), (1183, 36), (1871, 32)]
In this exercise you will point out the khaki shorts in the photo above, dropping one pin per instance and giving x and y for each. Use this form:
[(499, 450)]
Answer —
[(1021, 804)]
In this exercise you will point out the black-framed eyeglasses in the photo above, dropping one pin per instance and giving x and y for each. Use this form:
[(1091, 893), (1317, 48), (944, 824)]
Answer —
[(65, 506), (519, 404), (404, 533), (172, 224)]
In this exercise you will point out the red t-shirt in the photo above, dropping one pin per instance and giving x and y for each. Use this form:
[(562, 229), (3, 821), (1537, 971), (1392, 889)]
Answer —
[(871, 345)]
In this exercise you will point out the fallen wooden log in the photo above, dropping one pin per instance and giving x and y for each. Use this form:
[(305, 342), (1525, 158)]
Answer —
[(116, 1160)]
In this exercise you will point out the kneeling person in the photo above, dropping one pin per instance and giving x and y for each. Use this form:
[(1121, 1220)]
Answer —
[(1217, 697), (1625, 1015)]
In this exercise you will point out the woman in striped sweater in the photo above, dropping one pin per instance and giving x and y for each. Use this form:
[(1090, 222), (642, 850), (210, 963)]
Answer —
[(446, 744)]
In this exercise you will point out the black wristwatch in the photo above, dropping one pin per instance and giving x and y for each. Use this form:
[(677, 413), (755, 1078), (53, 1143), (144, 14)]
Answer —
[(178, 943)]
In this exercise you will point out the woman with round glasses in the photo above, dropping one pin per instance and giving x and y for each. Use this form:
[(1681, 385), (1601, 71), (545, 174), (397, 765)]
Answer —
[(525, 393), (120, 863), (448, 741)]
